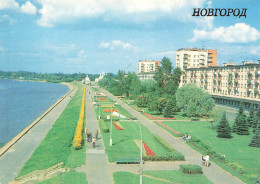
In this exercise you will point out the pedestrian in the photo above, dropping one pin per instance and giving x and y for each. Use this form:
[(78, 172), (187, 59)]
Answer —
[(185, 137), (93, 142), (90, 137), (207, 160), (96, 135), (86, 130)]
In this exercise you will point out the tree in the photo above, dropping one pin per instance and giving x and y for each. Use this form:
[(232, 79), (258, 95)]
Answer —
[(256, 119), (158, 104), (242, 128), (169, 108), (167, 78), (255, 142), (194, 101), (251, 116), (238, 118), (133, 85), (224, 130)]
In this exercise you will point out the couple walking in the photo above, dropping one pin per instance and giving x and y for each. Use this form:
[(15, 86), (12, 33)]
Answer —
[(91, 138)]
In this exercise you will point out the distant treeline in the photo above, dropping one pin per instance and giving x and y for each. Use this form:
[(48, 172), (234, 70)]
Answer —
[(48, 77)]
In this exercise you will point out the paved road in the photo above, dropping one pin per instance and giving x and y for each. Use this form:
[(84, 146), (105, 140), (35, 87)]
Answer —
[(96, 168), (13, 160), (213, 173)]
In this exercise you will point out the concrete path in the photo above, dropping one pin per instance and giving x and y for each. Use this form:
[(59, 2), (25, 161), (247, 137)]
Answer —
[(13, 160), (96, 168), (213, 173)]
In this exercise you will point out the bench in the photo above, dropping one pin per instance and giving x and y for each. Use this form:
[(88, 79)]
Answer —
[(127, 160)]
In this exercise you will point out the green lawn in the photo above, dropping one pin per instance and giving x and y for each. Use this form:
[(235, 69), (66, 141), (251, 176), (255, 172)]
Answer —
[(67, 178), (177, 115), (235, 149), (56, 147), (104, 114), (175, 176), (123, 141)]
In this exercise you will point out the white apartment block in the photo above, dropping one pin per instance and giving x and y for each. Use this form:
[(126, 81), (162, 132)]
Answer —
[(230, 82), (147, 69), (194, 57)]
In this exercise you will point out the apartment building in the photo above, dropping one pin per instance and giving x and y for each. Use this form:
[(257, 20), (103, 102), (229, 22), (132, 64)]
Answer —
[(195, 57), (228, 84), (147, 69)]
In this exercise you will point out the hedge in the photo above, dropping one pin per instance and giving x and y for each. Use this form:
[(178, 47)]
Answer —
[(103, 126), (78, 138), (174, 155), (191, 169)]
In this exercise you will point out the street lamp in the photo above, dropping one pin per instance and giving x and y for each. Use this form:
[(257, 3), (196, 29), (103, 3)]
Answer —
[(99, 109), (110, 140), (141, 154)]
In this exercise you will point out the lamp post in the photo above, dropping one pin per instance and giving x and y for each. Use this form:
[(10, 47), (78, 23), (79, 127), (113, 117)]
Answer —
[(99, 109), (141, 154), (110, 140)]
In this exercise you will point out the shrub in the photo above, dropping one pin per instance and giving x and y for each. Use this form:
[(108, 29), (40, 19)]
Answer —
[(191, 169), (164, 158), (236, 167), (133, 118), (103, 126), (78, 138), (173, 154)]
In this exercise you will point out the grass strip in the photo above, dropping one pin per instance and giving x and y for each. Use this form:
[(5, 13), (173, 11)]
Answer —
[(160, 177), (67, 178), (56, 147)]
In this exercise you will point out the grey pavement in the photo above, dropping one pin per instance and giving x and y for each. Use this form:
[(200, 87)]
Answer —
[(213, 173), (96, 168), (13, 160)]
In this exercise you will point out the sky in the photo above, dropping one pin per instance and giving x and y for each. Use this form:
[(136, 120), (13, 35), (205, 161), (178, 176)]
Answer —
[(95, 36)]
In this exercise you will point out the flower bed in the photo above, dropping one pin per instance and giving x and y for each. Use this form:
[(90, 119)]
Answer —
[(151, 117), (117, 126), (78, 139), (165, 126), (109, 110), (148, 150), (101, 99)]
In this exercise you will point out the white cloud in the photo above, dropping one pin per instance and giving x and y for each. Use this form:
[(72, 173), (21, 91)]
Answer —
[(60, 11), (104, 45), (82, 54), (255, 51), (8, 4), (7, 18), (239, 33), (1, 49), (29, 8), (118, 44)]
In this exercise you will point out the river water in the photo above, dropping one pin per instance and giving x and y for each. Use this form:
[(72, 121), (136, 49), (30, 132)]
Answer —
[(21, 102)]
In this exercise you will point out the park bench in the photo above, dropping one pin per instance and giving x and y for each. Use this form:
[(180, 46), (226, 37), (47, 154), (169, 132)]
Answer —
[(127, 160)]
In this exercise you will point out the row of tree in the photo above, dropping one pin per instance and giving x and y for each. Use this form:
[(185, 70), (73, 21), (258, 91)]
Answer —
[(242, 125), (162, 94), (48, 77)]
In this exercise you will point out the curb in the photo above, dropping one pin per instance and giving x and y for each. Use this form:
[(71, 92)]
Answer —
[(6, 147)]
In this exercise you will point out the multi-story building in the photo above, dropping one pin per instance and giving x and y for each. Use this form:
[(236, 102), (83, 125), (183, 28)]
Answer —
[(228, 84), (147, 69), (194, 57)]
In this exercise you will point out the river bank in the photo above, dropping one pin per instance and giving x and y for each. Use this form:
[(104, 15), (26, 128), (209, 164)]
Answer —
[(28, 128), (16, 156)]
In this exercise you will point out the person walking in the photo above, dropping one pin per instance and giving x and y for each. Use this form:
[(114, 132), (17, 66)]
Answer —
[(93, 141), (96, 135), (207, 160)]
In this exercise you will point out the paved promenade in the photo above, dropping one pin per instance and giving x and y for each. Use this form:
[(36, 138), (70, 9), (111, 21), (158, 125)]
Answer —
[(96, 161), (13, 160), (213, 173)]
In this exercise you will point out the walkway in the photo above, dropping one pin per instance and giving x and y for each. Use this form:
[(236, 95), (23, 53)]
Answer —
[(13, 160), (213, 173), (96, 161)]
